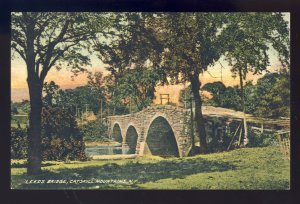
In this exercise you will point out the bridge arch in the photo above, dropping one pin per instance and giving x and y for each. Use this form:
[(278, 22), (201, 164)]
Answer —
[(131, 138), (175, 118), (158, 142), (117, 132)]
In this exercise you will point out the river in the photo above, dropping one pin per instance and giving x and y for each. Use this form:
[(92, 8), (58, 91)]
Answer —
[(106, 150)]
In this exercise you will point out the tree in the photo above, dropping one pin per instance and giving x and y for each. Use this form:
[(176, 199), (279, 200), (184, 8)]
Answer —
[(190, 44), (127, 53), (218, 91), (46, 40), (96, 82), (272, 96), (130, 44), (246, 40), (82, 97), (137, 86), (232, 98), (52, 93)]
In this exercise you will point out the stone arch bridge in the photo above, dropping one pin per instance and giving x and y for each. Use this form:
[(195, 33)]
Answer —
[(143, 131), (136, 130), (166, 130)]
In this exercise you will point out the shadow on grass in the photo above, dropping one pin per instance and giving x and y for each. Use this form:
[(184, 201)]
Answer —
[(24, 165), (140, 173)]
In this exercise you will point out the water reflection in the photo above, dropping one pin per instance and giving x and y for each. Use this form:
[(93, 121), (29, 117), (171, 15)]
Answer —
[(107, 150)]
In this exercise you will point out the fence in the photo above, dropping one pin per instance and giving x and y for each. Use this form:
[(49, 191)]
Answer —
[(284, 141)]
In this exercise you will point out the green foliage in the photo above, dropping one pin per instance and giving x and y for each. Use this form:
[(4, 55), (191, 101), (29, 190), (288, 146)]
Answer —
[(117, 108), (257, 139), (248, 36), (185, 95), (62, 36), (61, 137), (127, 51), (82, 97), (45, 40), (94, 131), (269, 97), (232, 98), (51, 91), (272, 96), (137, 86), (20, 107), (190, 43), (222, 96), (13, 108), (130, 44), (19, 143), (218, 91), (21, 119), (246, 39)]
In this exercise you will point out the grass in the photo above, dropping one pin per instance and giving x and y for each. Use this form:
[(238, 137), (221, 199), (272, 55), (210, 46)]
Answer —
[(101, 143), (247, 168), (23, 120), (15, 124)]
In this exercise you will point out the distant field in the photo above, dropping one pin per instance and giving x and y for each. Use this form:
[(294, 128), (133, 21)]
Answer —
[(248, 168)]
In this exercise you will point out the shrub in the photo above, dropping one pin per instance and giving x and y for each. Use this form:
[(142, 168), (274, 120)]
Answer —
[(19, 144), (94, 131), (257, 139), (61, 138)]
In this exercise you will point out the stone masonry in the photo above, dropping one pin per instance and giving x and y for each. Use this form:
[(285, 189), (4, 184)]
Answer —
[(178, 119), (217, 126)]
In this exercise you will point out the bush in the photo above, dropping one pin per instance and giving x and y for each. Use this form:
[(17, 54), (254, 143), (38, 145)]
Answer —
[(257, 139), (19, 144), (94, 131), (61, 139)]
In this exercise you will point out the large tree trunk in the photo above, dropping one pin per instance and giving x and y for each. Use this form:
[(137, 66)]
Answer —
[(243, 108), (34, 137), (35, 96), (198, 112)]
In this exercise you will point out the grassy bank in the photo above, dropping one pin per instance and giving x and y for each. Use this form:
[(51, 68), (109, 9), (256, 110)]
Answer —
[(248, 168), (102, 143)]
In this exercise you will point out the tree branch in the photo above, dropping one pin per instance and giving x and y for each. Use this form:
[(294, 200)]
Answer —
[(60, 54), (19, 52), (62, 33)]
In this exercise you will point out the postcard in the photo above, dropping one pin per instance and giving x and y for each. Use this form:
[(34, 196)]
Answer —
[(150, 100)]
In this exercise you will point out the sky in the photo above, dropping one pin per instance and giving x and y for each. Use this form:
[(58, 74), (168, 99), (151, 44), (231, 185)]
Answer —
[(19, 88)]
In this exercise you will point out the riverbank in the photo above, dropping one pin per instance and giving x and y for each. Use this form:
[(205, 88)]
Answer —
[(102, 143), (114, 157), (246, 168)]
